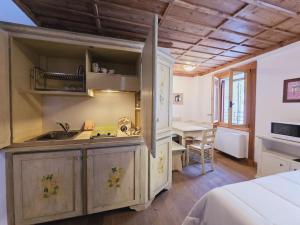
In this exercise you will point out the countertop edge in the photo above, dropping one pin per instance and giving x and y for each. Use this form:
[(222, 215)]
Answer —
[(72, 145)]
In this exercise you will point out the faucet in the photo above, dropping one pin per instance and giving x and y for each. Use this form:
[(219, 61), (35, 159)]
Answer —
[(64, 126)]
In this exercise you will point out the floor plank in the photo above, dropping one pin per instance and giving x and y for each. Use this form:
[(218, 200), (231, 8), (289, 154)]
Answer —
[(171, 207)]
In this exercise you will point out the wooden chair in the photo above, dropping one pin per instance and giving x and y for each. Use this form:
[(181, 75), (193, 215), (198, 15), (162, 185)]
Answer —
[(205, 148)]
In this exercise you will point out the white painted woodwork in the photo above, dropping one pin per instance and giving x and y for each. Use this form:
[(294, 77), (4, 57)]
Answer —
[(294, 166), (4, 90), (163, 96), (161, 167), (148, 88), (142, 180), (31, 203), (113, 178), (277, 155), (118, 82), (26, 109), (272, 164)]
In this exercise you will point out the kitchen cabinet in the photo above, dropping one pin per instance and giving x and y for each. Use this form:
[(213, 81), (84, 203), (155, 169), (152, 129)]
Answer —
[(161, 167), (4, 90), (273, 164), (124, 64), (113, 178), (106, 177), (295, 166), (156, 90), (47, 186)]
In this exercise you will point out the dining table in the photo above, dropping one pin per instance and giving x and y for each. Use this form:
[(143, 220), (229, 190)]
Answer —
[(187, 130)]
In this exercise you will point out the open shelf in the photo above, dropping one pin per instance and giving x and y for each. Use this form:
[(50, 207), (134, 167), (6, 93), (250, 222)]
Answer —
[(101, 81), (61, 93)]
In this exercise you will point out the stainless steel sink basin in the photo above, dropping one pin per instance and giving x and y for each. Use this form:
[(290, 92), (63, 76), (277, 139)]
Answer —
[(56, 135)]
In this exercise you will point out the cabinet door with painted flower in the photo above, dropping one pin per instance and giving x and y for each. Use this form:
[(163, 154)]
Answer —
[(164, 91), (47, 186), (112, 178), (161, 167)]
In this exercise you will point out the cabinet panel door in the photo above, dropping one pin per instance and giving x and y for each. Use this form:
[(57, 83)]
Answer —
[(161, 167), (273, 165), (163, 98), (4, 90), (113, 178), (295, 166), (148, 88), (47, 186)]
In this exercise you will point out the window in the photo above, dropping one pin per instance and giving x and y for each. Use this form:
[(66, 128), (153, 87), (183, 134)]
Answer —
[(238, 98), (230, 98)]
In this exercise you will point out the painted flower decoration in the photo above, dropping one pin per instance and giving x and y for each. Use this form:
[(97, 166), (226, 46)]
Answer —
[(49, 185), (160, 166), (114, 179)]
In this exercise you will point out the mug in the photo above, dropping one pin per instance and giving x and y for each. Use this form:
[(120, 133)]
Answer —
[(95, 67)]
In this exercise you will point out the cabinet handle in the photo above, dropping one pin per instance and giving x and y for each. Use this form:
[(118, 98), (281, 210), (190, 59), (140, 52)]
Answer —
[(281, 164)]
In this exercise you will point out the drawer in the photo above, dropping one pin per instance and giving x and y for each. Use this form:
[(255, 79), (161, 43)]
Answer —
[(272, 164)]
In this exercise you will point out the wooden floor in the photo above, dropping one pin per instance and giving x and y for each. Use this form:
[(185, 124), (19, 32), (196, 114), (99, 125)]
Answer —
[(171, 207)]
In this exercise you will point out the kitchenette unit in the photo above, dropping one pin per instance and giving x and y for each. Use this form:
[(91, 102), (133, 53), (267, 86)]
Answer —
[(85, 123)]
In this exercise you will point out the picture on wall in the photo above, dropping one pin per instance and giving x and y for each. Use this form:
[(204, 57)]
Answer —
[(291, 90), (178, 98)]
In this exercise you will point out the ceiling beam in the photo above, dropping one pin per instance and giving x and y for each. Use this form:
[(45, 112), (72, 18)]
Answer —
[(272, 7), (97, 15), (165, 13)]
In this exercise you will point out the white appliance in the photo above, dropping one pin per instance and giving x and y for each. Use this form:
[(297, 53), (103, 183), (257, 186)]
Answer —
[(286, 131)]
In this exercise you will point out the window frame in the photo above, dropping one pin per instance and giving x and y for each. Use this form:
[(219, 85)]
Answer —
[(229, 74)]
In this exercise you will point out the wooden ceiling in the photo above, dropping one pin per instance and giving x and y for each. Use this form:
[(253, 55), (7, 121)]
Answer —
[(206, 33)]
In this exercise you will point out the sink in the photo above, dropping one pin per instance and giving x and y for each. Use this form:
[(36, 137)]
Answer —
[(56, 135)]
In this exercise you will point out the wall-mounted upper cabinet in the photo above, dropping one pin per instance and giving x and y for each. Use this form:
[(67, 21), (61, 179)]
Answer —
[(112, 69)]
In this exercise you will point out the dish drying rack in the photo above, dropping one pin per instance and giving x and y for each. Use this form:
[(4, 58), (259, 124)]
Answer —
[(39, 79)]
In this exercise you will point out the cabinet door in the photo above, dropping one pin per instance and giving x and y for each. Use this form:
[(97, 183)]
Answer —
[(273, 165), (161, 167), (164, 84), (148, 88), (113, 178), (4, 90), (295, 166), (47, 186)]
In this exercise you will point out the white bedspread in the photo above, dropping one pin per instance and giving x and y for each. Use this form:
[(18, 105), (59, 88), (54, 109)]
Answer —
[(273, 200)]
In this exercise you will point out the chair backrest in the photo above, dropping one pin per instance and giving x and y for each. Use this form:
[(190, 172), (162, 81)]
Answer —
[(208, 137)]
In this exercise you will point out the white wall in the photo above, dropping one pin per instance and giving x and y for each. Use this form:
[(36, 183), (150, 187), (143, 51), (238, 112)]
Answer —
[(272, 69), (197, 97), (104, 109)]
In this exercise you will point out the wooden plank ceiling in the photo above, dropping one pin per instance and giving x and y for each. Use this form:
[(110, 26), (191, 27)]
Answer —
[(208, 34)]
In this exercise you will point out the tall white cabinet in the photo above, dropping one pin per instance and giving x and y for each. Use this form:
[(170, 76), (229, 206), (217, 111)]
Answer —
[(156, 90)]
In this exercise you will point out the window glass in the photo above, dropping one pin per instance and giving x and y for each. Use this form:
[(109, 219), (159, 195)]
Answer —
[(216, 99), (225, 99), (238, 98)]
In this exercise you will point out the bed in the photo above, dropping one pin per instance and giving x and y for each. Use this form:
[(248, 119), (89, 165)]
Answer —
[(272, 200)]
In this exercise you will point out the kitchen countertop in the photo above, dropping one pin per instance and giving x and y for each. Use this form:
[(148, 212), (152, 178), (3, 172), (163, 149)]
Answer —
[(81, 141)]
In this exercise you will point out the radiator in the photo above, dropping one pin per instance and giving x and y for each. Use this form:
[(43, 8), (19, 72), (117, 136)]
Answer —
[(231, 142)]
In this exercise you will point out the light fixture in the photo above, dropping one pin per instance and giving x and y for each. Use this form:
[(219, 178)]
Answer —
[(189, 68)]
